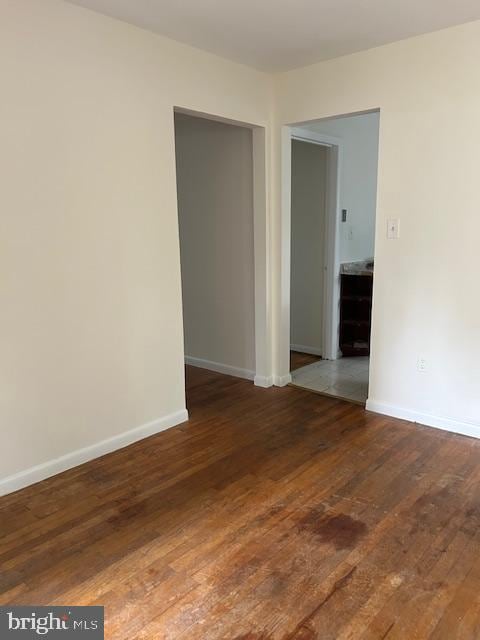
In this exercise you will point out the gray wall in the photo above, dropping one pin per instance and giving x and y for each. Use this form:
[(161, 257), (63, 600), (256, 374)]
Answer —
[(215, 202), (358, 185), (309, 165)]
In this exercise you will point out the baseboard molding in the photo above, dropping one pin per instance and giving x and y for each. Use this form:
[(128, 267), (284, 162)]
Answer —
[(220, 368), (75, 458), (282, 381), (301, 348), (437, 422), (263, 381)]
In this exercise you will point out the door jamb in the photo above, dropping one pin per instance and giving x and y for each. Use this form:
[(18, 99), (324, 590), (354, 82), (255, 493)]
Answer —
[(332, 246)]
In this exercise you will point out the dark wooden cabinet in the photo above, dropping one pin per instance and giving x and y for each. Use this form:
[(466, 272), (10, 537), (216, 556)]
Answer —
[(355, 314)]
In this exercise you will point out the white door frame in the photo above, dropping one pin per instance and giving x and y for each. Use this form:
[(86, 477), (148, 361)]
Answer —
[(263, 376), (332, 246)]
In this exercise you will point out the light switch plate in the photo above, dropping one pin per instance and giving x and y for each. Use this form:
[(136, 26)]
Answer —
[(393, 228)]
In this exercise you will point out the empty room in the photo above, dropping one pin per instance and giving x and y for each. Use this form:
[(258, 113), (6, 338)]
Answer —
[(240, 391)]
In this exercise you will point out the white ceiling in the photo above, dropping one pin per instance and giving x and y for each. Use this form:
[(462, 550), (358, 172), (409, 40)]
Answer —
[(276, 35)]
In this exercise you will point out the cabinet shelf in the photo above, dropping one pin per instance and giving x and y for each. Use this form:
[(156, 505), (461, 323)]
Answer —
[(355, 314), (357, 298), (357, 323)]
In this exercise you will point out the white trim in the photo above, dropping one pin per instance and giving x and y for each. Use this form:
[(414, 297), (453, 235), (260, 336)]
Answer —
[(263, 381), (80, 456), (282, 367), (262, 256), (219, 367), (282, 381), (331, 310), (437, 422), (298, 133), (301, 348), (262, 238)]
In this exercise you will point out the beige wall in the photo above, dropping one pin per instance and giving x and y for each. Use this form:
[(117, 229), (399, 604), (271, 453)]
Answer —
[(309, 174), (215, 207), (91, 329), (428, 90)]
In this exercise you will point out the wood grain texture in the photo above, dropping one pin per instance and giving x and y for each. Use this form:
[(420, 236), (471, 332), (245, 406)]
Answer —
[(299, 360), (274, 514)]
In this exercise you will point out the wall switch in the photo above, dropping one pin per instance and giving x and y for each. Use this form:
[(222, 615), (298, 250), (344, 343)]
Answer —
[(422, 365), (344, 215), (393, 229)]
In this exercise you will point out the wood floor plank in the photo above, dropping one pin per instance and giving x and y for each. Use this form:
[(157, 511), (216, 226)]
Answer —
[(273, 514)]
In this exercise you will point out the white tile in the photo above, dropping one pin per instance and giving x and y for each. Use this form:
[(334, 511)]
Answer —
[(304, 376), (318, 384), (345, 377)]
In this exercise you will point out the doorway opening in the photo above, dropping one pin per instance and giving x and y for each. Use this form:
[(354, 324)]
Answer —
[(333, 167), (220, 173)]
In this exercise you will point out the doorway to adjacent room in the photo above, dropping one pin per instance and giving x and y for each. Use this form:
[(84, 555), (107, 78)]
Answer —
[(334, 165)]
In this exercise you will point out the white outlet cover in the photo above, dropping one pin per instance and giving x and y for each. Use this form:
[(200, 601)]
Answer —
[(422, 365)]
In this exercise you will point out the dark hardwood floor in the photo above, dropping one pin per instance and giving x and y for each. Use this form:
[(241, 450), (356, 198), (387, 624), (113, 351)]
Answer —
[(274, 514), (299, 360)]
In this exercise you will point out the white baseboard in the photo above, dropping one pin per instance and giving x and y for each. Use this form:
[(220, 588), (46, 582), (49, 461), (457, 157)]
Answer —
[(220, 368), (282, 381), (263, 381), (75, 458), (301, 348), (437, 422)]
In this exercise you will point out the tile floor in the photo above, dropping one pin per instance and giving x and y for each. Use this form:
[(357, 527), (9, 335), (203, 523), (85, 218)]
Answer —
[(344, 378)]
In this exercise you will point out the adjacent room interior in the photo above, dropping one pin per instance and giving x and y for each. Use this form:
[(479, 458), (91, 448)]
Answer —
[(333, 210), (214, 168)]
